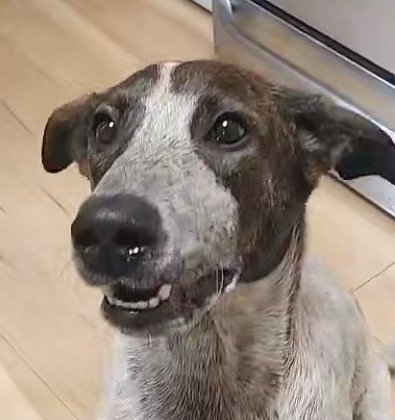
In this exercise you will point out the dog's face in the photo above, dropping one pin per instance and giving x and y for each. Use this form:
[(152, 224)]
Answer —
[(199, 172)]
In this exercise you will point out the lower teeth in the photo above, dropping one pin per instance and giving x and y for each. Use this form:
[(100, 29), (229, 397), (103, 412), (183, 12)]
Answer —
[(162, 295)]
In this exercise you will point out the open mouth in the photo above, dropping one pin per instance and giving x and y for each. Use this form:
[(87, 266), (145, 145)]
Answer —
[(123, 298), (134, 309)]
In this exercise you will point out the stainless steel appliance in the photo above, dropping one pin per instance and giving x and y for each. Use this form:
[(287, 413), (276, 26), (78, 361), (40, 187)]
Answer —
[(340, 48)]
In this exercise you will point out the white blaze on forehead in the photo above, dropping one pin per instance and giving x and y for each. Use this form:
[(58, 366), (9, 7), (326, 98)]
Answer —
[(160, 166), (167, 114)]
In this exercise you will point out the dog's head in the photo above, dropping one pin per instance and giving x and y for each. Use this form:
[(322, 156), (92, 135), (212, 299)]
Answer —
[(199, 173)]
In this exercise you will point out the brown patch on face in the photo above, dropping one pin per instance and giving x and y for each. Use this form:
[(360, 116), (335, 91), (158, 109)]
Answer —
[(294, 138), (267, 181), (127, 112), (142, 81), (69, 133), (125, 104)]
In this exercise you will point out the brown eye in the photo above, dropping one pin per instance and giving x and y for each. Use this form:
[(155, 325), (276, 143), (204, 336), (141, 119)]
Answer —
[(228, 130), (104, 128)]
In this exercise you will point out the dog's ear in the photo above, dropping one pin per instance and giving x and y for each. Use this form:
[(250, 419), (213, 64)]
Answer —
[(66, 135), (332, 137)]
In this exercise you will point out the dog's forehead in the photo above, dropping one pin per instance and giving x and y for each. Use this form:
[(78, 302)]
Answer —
[(194, 78), (212, 76), (167, 113)]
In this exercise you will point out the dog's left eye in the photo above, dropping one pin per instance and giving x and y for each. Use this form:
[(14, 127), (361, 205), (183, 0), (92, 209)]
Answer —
[(104, 128), (228, 129)]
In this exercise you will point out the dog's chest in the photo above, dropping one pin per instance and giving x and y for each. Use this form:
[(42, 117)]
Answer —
[(153, 384), (313, 393), (141, 396)]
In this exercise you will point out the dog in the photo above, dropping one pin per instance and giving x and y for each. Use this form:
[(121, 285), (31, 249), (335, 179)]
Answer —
[(200, 172)]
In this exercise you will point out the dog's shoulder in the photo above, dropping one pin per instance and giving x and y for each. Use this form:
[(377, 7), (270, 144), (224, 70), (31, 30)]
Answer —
[(322, 296), (333, 317), (331, 342)]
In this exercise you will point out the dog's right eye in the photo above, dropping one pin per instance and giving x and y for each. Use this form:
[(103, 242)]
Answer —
[(104, 128)]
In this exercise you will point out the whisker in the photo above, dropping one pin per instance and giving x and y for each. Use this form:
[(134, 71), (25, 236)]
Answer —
[(220, 284)]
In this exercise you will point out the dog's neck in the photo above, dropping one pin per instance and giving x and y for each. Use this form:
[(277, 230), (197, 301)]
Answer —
[(271, 246), (235, 354)]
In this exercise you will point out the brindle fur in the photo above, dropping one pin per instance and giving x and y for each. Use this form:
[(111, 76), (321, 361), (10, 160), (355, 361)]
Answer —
[(287, 343)]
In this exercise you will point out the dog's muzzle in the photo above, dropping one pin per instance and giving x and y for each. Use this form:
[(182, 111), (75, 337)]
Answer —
[(113, 235), (120, 245)]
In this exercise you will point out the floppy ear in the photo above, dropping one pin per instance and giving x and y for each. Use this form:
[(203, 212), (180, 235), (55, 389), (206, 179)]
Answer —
[(66, 135), (332, 137)]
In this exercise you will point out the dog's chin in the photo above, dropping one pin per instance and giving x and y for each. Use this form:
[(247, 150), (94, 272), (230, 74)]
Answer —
[(170, 305)]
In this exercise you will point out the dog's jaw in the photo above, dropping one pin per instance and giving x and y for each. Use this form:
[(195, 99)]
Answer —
[(179, 303)]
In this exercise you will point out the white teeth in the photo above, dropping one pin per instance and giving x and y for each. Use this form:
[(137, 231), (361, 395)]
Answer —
[(110, 299), (127, 305), (162, 295), (139, 305), (153, 302), (164, 292)]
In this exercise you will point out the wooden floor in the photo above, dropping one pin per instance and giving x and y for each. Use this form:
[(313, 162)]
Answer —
[(53, 345)]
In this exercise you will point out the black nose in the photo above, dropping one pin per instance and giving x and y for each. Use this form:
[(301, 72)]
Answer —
[(112, 234)]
